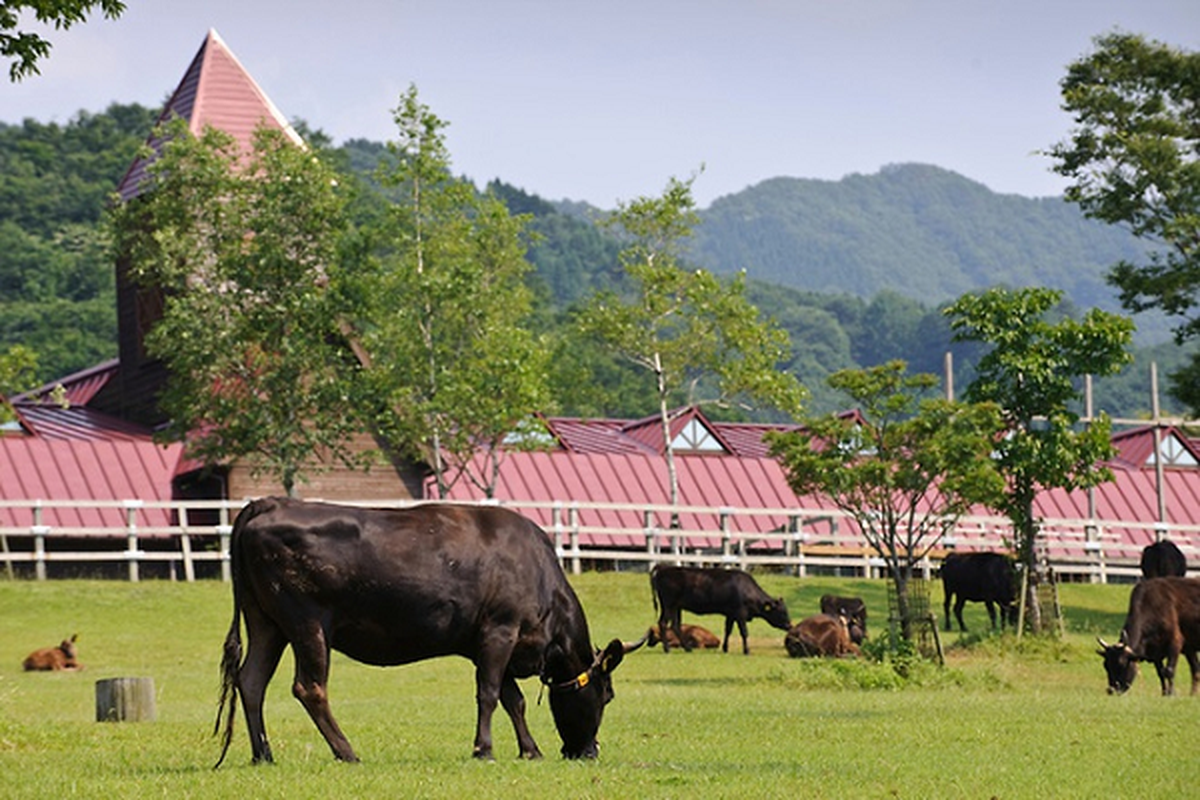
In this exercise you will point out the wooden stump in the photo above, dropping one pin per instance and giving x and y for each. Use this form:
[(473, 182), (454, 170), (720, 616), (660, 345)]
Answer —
[(125, 700)]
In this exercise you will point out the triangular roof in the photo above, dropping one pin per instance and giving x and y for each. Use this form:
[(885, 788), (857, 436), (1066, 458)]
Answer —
[(215, 91), (1135, 448)]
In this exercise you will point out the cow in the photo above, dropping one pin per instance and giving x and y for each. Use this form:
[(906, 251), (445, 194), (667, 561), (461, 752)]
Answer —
[(821, 636), (395, 586), (50, 659), (730, 592), (693, 636), (853, 609), (1163, 559), (1163, 621), (980, 577)]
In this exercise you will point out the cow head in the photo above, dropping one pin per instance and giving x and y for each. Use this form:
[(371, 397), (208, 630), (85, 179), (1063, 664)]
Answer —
[(1120, 663), (578, 703), (774, 611), (68, 648)]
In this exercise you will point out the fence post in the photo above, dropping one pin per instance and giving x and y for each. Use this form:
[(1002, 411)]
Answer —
[(556, 525), (224, 534), (185, 545), (651, 532), (131, 537), (576, 564)]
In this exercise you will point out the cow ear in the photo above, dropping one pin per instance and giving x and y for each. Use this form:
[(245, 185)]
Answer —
[(612, 655)]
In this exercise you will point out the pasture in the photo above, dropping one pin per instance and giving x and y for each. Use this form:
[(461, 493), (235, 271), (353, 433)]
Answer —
[(1002, 720)]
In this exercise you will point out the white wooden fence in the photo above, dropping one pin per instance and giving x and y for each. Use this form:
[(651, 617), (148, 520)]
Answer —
[(187, 540)]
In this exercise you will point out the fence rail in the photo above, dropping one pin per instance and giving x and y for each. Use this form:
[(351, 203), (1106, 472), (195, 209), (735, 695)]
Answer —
[(190, 539)]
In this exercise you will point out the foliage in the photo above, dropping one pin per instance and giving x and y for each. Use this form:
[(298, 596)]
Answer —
[(683, 326), (242, 247), (924, 232), (453, 368), (24, 48), (905, 470), (18, 365), (1134, 157), (1032, 372), (57, 288), (56, 282)]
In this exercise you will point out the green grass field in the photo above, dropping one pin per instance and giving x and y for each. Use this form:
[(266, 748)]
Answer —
[(1003, 719)]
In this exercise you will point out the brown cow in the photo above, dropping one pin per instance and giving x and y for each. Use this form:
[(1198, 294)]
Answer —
[(693, 636), (821, 635), (53, 658), (1163, 623)]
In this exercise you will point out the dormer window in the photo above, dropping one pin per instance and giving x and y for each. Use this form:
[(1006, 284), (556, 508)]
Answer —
[(1174, 453), (695, 437)]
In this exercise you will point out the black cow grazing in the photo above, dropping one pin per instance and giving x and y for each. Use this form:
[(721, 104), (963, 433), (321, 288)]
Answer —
[(730, 592), (1163, 560), (980, 577), (853, 609), (1163, 621), (820, 636), (390, 587)]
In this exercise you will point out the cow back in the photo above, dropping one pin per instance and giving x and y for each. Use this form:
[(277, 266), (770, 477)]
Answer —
[(1163, 559), (1159, 610), (401, 585)]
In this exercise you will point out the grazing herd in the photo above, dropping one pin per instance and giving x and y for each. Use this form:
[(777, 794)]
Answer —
[(394, 586)]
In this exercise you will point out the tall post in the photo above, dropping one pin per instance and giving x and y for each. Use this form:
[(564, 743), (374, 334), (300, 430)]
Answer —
[(1158, 465)]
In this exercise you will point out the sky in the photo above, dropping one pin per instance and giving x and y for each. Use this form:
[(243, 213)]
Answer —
[(605, 101)]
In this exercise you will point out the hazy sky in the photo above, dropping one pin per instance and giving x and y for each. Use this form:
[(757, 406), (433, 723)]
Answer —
[(605, 100)]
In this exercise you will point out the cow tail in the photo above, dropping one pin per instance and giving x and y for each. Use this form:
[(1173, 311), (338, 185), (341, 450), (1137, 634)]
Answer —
[(231, 656)]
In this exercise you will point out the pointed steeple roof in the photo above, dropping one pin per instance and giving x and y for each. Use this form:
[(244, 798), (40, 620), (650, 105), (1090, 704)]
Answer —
[(216, 90)]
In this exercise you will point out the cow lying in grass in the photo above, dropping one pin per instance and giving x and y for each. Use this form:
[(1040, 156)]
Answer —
[(820, 636), (693, 636), (53, 658)]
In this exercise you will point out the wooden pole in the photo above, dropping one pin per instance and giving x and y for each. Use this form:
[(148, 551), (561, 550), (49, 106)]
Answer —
[(125, 700)]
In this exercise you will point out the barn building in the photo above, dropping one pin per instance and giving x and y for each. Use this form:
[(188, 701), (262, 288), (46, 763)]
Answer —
[(89, 437)]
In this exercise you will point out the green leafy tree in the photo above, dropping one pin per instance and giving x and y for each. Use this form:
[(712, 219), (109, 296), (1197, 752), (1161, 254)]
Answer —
[(1032, 371), (684, 326), (18, 368), (25, 49), (453, 371), (1134, 157), (243, 246), (905, 469)]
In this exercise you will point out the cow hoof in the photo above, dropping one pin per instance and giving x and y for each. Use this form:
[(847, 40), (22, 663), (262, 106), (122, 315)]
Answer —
[(483, 755)]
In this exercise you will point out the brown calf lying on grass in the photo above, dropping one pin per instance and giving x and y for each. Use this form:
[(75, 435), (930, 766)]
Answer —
[(693, 636), (821, 635), (54, 658)]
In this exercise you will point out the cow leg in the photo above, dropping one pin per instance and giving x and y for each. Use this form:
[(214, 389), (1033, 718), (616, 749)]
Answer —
[(991, 609), (1194, 665), (311, 689), (741, 623), (728, 630), (1166, 674), (667, 618), (514, 703), (946, 610), (490, 666), (265, 645), (958, 608)]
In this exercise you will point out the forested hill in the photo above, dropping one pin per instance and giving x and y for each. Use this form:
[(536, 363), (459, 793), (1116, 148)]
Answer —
[(920, 230)]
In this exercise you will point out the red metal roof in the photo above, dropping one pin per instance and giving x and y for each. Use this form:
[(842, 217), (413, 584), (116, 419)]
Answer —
[(215, 91), (39, 468), (78, 388)]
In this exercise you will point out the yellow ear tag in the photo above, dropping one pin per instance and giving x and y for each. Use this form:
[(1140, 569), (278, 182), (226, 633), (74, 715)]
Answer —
[(583, 679)]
